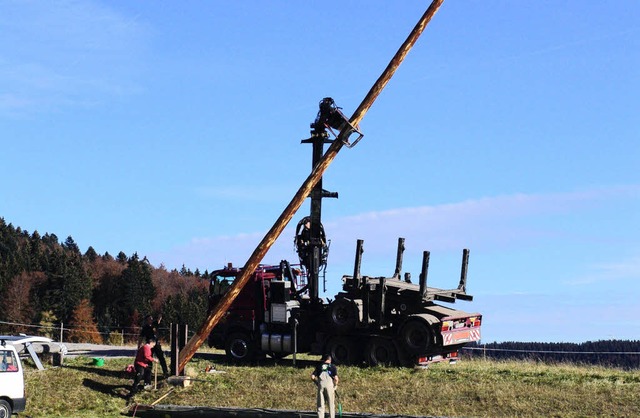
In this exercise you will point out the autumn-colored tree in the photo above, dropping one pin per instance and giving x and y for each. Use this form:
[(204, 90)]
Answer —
[(15, 303), (132, 334), (83, 326), (167, 284), (181, 299)]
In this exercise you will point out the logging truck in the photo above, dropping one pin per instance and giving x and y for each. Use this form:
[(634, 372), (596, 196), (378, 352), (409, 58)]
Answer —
[(374, 320)]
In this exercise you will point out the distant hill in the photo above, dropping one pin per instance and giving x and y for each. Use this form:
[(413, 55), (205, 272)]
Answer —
[(610, 353)]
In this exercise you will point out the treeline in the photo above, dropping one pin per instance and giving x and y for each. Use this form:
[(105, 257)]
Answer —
[(623, 354), (98, 298)]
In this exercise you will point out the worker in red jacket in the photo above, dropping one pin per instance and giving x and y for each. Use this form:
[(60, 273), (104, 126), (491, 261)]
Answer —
[(142, 364)]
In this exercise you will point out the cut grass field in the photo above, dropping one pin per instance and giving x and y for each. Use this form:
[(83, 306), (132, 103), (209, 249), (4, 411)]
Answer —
[(471, 388)]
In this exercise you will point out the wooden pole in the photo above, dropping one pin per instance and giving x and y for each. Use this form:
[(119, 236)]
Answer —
[(258, 254), (162, 397)]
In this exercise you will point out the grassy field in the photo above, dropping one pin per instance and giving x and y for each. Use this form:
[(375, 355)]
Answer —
[(471, 388)]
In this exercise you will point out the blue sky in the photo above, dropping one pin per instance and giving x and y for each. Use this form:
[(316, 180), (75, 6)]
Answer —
[(173, 130)]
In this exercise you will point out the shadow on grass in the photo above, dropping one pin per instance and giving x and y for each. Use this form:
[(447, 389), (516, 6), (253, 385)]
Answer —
[(260, 362), (121, 374), (115, 391)]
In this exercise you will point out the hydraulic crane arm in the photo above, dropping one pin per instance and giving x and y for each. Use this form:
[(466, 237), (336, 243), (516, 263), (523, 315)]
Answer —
[(343, 139)]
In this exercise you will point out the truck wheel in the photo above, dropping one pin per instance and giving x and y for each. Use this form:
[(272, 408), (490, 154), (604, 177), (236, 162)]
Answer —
[(417, 337), (381, 352), (5, 409), (342, 316), (239, 348), (343, 351), (405, 359)]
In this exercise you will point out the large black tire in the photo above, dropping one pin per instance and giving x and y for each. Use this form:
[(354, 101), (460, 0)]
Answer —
[(239, 348), (344, 351), (381, 352), (342, 316), (5, 409), (417, 337)]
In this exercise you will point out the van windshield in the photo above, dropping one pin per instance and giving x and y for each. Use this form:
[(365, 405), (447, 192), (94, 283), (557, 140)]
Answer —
[(8, 361)]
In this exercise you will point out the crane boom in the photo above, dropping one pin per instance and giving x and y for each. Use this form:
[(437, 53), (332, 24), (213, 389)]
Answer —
[(303, 192)]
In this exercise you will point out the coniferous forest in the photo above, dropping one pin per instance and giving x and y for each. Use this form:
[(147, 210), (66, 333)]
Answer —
[(97, 297)]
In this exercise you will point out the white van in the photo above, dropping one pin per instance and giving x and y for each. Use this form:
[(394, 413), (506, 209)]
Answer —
[(12, 397)]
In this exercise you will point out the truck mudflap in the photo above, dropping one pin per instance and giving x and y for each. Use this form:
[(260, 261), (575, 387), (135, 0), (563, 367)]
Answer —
[(460, 329)]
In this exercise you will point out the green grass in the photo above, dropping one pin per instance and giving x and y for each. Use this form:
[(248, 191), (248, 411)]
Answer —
[(471, 388)]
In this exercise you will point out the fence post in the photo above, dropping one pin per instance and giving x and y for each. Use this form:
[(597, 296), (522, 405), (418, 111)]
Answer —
[(175, 350), (61, 331)]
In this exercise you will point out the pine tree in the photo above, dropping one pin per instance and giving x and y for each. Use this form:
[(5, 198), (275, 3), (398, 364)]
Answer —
[(91, 255), (108, 295), (47, 324), (36, 255), (134, 290), (67, 284), (71, 245), (122, 257)]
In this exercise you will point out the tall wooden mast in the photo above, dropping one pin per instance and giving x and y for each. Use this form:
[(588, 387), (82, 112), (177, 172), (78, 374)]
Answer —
[(316, 174)]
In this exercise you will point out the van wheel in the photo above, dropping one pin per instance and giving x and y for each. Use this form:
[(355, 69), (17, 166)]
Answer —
[(5, 409), (239, 348)]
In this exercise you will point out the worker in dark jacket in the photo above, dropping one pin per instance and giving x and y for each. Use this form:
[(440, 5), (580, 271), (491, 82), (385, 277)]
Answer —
[(144, 360), (326, 379), (150, 331)]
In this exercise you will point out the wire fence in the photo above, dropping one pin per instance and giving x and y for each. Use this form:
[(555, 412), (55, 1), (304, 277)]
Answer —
[(614, 353), (60, 330), (511, 350)]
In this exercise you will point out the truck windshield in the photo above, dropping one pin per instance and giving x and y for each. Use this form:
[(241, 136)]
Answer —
[(8, 362), (220, 285)]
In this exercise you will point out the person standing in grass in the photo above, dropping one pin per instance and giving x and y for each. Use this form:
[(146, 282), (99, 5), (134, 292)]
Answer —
[(326, 379), (143, 362), (150, 331)]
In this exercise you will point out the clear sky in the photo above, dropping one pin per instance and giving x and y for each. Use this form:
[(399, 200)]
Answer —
[(172, 129)]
